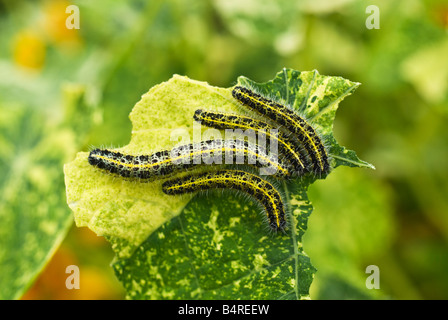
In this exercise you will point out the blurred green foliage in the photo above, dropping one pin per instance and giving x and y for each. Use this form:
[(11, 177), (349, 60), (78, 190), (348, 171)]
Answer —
[(394, 217)]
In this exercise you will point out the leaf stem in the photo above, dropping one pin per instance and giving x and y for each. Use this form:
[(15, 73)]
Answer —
[(294, 243)]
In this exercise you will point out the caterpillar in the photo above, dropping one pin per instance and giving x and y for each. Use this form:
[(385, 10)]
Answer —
[(286, 117), (165, 162), (263, 191), (290, 150)]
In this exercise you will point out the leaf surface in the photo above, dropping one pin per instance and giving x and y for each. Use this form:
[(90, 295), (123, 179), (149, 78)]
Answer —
[(33, 216), (212, 246)]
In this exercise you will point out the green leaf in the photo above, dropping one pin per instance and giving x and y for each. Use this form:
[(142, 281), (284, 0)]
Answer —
[(33, 216), (316, 97), (205, 247), (34, 219), (118, 209), (219, 248)]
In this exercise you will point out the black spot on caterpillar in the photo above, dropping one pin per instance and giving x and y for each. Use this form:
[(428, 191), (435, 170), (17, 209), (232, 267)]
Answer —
[(187, 156), (286, 117), (290, 150), (263, 191)]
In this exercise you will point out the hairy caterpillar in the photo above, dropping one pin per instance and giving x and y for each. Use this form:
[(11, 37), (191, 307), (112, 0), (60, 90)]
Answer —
[(290, 150), (293, 122), (187, 156), (263, 191)]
